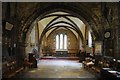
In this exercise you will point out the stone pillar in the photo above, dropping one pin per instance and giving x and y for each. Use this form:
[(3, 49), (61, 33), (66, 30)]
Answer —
[(20, 53), (116, 23), (117, 42)]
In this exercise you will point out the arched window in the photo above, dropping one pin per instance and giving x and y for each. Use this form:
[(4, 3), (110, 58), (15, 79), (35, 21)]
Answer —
[(57, 42), (61, 42), (65, 41), (89, 39)]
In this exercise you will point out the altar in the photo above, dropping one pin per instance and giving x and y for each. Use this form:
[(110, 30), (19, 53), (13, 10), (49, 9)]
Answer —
[(61, 53)]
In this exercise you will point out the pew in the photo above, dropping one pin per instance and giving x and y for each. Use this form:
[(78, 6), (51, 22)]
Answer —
[(12, 70)]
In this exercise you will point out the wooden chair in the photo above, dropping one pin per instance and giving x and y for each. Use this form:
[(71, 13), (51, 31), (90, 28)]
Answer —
[(27, 64)]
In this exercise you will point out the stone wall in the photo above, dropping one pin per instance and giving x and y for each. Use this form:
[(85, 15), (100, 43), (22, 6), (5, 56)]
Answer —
[(72, 41), (21, 15)]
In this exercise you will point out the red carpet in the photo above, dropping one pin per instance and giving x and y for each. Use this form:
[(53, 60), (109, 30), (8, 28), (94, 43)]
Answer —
[(59, 58)]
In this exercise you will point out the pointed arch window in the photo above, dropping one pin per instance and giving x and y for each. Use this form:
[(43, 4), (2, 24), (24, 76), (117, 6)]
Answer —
[(61, 42), (57, 42), (65, 41), (89, 39)]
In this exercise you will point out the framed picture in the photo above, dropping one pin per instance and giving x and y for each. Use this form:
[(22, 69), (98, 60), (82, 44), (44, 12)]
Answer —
[(98, 48)]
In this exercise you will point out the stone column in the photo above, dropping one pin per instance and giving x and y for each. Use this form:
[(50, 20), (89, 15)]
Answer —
[(116, 26), (117, 42), (20, 53)]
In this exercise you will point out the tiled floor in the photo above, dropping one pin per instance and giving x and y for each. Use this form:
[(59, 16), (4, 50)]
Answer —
[(58, 69)]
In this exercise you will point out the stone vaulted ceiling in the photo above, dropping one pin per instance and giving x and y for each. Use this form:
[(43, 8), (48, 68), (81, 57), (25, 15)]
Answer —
[(25, 14)]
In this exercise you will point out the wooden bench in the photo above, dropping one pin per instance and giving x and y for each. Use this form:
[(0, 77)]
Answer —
[(96, 69), (12, 73), (11, 70), (91, 67)]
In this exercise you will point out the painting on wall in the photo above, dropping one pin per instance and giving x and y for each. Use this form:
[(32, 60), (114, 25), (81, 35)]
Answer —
[(98, 48)]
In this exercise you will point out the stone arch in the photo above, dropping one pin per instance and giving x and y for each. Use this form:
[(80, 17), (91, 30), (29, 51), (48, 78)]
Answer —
[(76, 11), (66, 27)]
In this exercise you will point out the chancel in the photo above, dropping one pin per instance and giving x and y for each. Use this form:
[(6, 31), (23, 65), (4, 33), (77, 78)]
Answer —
[(61, 40)]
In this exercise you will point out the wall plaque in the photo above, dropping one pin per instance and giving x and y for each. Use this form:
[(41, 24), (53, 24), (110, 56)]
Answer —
[(98, 48), (8, 26)]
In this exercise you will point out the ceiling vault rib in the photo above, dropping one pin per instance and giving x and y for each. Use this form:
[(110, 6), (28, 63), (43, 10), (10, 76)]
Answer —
[(64, 23), (62, 26), (57, 15), (48, 26), (74, 24)]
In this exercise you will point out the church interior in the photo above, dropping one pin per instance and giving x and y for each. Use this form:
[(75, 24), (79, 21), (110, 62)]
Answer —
[(56, 40)]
